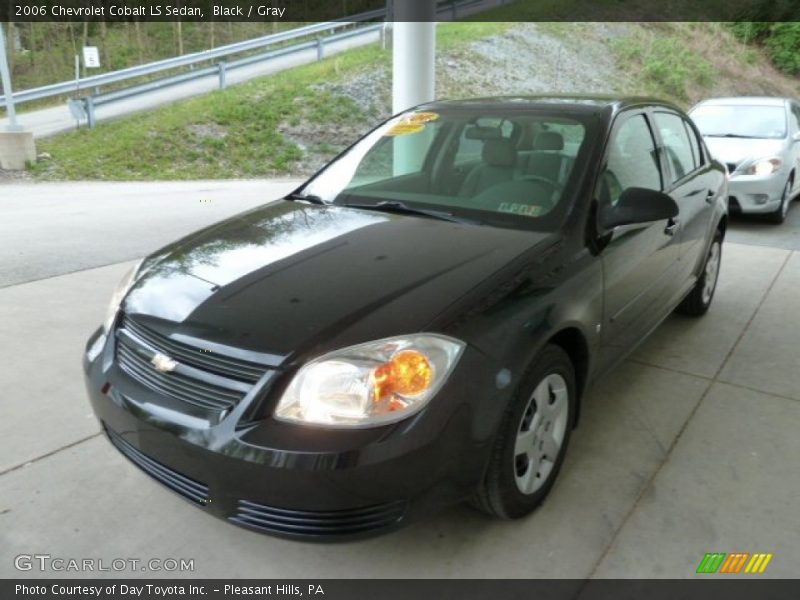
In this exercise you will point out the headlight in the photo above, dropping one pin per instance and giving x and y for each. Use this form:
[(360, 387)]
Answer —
[(122, 288), (370, 384), (765, 166)]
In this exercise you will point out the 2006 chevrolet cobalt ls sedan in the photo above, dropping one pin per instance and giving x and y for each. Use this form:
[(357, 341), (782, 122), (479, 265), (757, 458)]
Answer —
[(417, 324)]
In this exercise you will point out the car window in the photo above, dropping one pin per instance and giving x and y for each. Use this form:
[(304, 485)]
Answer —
[(466, 162), (740, 121), (470, 145), (632, 161), (677, 146), (400, 154)]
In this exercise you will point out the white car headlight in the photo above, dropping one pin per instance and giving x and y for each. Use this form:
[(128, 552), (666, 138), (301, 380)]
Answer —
[(370, 384), (122, 288), (765, 166)]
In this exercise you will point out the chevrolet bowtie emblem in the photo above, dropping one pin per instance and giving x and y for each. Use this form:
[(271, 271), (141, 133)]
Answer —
[(163, 363)]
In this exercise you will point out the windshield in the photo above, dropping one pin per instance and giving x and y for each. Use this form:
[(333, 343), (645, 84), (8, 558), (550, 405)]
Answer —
[(753, 121), (512, 168)]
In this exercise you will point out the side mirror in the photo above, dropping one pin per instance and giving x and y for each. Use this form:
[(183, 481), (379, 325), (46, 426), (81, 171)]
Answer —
[(638, 205), (796, 137)]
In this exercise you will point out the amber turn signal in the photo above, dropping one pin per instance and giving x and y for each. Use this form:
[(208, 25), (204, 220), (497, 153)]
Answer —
[(408, 373)]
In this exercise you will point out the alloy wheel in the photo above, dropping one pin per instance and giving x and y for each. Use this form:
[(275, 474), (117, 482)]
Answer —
[(541, 433)]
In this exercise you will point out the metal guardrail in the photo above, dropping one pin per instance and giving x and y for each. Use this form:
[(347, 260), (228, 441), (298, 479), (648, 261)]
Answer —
[(94, 81), (84, 106), (89, 103)]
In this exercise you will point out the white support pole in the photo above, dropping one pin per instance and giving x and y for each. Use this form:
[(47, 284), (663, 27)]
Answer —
[(414, 41), (5, 78), (413, 74)]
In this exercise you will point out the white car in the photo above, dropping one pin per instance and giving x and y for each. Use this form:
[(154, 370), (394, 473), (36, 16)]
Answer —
[(758, 139)]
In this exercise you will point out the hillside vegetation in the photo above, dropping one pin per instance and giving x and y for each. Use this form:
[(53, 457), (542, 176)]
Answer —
[(290, 123)]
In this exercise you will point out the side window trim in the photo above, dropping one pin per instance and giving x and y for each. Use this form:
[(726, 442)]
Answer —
[(695, 135), (619, 120), (662, 151)]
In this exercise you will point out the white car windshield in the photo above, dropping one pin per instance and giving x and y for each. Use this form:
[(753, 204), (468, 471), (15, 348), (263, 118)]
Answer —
[(740, 121)]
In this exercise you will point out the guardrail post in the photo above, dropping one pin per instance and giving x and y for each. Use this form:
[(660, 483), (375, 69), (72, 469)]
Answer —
[(320, 48), (454, 10), (88, 102), (222, 79)]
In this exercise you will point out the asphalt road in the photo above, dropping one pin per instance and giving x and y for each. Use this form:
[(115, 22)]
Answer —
[(49, 229), (49, 121), (757, 231)]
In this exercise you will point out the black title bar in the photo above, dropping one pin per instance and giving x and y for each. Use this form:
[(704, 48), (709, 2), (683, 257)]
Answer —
[(330, 10), (403, 589)]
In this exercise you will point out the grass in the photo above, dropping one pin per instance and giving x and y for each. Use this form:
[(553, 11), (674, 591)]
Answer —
[(667, 66), (235, 133)]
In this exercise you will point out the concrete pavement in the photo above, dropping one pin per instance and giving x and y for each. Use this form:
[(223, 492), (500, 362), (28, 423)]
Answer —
[(49, 229), (687, 448)]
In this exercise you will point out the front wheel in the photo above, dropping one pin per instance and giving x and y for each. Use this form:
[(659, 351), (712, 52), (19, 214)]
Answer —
[(532, 439), (779, 216), (699, 299)]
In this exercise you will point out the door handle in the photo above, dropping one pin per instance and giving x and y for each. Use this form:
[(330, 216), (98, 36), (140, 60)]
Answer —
[(710, 196), (672, 227)]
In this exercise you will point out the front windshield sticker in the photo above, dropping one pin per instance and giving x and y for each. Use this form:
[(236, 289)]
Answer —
[(405, 128), (422, 117), (527, 210)]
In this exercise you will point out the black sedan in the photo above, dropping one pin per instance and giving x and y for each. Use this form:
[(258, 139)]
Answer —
[(418, 323)]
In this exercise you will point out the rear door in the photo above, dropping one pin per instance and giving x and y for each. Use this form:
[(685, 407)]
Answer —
[(691, 181), (639, 261)]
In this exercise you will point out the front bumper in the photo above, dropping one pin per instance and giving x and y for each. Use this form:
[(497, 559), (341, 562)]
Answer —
[(294, 481), (756, 195)]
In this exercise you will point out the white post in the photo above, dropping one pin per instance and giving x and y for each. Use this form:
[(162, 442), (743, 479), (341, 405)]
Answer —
[(5, 77), (16, 145), (413, 73)]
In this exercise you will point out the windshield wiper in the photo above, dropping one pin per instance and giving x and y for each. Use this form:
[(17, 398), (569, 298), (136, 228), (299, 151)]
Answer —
[(404, 209), (733, 135), (307, 198)]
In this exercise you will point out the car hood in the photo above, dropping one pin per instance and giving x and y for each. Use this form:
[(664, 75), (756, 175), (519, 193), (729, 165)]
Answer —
[(736, 150), (290, 278)]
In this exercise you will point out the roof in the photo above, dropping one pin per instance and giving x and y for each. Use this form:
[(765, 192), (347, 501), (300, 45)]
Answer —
[(578, 102)]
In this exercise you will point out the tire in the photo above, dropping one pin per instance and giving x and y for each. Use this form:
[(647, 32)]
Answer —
[(511, 489), (699, 299), (779, 216)]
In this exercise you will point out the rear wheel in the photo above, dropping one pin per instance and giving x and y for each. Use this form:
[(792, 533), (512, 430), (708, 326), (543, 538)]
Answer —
[(779, 216), (699, 299), (532, 440)]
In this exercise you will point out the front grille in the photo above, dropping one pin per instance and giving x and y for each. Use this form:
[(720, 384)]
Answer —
[(212, 382), (213, 362), (186, 389), (187, 487), (317, 523)]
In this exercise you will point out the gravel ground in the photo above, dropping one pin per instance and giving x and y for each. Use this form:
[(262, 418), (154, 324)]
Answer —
[(13, 176), (528, 59)]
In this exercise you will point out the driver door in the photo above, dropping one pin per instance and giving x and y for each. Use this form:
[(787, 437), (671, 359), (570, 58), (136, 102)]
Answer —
[(640, 261)]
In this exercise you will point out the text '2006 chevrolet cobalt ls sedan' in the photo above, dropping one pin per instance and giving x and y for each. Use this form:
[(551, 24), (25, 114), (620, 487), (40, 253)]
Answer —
[(416, 325)]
